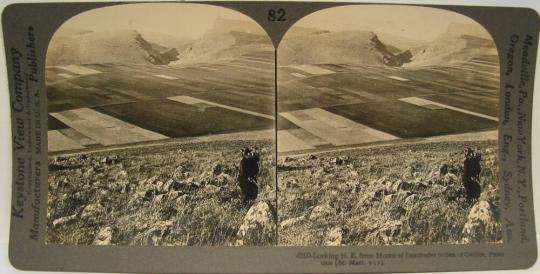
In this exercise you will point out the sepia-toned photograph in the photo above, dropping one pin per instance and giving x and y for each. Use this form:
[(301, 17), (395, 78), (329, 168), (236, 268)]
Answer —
[(387, 129), (161, 128)]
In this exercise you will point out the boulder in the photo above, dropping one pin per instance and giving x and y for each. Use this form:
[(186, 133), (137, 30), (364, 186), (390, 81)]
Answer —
[(291, 222), (338, 161), (159, 186), (320, 172), (93, 212), (224, 179), (64, 220), (154, 236), (212, 189), (288, 159), (481, 225), (180, 173), (258, 226), (376, 195), (172, 195), (321, 212), (187, 184), (152, 180), (378, 182), (397, 212), (118, 186), (350, 186), (400, 185), (438, 189), (334, 237), (389, 198), (181, 201), (403, 194), (389, 231), (389, 187), (450, 179), (104, 236), (331, 193), (89, 172), (159, 200), (108, 160), (291, 184)]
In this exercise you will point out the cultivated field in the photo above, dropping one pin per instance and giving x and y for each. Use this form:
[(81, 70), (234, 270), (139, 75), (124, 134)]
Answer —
[(330, 105), (145, 139), (97, 105), (370, 146)]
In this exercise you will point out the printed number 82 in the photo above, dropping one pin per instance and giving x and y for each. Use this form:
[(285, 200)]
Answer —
[(276, 15)]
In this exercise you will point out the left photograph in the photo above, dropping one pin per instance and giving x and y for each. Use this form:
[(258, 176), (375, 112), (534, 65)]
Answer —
[(161, 128)]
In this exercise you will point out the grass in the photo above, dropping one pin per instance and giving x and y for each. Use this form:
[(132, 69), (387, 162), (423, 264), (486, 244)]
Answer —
[(178, 194), (382, 196), (187, 194)]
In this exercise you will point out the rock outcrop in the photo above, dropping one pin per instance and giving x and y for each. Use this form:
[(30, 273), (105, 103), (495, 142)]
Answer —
[(481, 225), (258, 227)]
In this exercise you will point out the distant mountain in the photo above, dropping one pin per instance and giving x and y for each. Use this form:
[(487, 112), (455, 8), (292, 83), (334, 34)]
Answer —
[(461, 42), (399, 43), (225, 40), (70, 46), (222, 25), (346, 47), (228, 39)]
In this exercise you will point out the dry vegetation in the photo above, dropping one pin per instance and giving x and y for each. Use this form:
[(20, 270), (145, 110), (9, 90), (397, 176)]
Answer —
[(187, 194), (176, 194), (387, 195)]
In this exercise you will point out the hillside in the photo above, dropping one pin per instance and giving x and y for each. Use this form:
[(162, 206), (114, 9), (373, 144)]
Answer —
[(371, 197), (458, 44), (399, 42), (228, 39), (120, 46), (225, 40), (175, 194), (347, 47)]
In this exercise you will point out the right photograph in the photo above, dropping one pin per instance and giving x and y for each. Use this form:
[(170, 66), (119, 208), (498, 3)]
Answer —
[(387, 129)]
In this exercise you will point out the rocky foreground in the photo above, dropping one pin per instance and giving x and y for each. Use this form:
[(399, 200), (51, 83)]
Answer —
[(393, 195), (177, 194), (188, 194)]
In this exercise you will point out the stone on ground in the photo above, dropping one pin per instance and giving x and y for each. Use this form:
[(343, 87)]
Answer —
[(104, 236), (334, 237), (258, 227), (481, 224)]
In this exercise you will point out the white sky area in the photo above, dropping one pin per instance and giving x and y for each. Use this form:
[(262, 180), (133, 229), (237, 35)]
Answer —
[(418, 23), (178, 19)]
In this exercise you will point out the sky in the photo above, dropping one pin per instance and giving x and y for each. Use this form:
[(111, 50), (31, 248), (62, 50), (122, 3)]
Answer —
[(179, 20), (192, 21), (419, 23)]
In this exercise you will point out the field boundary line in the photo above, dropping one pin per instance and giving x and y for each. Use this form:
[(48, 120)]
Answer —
[(422, 102), (191, 100)]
